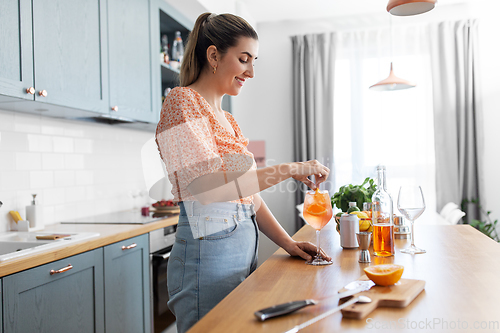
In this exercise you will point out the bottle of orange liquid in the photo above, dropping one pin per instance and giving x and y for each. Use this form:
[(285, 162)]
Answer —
[(382, 218)]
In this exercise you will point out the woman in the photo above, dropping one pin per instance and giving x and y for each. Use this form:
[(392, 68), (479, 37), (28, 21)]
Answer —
[(214, 176)]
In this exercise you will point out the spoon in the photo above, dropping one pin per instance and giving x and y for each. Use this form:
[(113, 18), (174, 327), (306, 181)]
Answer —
[(357, 299)]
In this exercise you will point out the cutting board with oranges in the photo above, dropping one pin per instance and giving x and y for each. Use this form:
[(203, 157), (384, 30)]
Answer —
[(398, 295)]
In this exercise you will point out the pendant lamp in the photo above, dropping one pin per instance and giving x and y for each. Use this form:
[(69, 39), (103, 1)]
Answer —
[(409, 7), (392, 82)]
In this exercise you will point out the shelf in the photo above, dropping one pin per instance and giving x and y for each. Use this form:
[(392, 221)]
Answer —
[(169, 76)]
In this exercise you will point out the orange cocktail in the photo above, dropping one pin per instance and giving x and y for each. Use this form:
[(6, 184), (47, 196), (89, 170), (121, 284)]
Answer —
[(317, 212)]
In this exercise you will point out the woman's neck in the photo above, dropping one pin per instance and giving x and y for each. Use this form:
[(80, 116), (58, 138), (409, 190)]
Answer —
[(207, 88)]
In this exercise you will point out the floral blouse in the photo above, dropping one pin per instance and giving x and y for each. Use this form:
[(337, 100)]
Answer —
[(192, 142)]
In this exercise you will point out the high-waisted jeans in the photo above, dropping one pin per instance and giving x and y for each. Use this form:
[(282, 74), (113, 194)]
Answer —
[(203, 270)]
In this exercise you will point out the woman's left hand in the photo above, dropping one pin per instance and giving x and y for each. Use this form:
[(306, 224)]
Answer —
[(305, 250)]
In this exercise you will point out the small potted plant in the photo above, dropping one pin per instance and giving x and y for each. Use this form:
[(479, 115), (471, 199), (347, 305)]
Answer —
[(353, 193)]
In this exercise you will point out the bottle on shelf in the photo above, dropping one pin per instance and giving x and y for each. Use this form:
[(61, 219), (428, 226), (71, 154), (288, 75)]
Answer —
[(382, 217), (164, 49), (178, 48)]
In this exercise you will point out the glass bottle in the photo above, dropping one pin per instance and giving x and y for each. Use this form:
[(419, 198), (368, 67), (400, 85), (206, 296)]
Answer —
[(178, 47), (382, 217), (164, 49)]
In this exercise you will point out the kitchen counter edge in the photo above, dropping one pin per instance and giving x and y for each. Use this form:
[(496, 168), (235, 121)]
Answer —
[(108, 234)]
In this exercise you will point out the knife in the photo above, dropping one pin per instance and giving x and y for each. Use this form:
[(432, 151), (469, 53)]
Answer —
[(297, 328), (289, 307)]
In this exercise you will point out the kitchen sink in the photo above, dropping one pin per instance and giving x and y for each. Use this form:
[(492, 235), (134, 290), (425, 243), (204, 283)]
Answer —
[(18, 244)]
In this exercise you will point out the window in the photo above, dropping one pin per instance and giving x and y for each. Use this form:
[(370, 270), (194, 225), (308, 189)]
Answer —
[(393, 128)]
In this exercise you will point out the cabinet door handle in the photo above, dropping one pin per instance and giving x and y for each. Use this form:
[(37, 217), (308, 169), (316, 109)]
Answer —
[(131, 246), (62, 270), (30, 90), (42, 93), (115, 108)]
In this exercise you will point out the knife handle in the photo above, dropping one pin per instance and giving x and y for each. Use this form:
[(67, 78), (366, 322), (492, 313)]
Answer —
[(282, 309)]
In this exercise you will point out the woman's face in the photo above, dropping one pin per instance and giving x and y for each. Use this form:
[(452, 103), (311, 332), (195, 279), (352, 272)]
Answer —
[(236, 66)]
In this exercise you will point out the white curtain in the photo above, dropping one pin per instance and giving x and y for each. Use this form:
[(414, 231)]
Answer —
[(458, 114), (313, 77)]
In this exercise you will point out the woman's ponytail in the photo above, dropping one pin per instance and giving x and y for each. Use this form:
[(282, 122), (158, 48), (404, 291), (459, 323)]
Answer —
[(190, 67), (222, 31)]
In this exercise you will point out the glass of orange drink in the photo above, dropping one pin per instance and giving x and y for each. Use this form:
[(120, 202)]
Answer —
[(317, 213)]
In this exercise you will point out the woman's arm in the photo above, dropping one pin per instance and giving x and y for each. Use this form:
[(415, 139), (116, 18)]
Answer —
[(228, 186), (272, 229)]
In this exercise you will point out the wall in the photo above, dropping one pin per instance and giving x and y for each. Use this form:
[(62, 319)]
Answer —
[(264, 107), (76, 169)]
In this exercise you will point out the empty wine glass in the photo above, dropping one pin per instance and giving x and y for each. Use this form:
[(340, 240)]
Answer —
[(411, 204), (317, 213)]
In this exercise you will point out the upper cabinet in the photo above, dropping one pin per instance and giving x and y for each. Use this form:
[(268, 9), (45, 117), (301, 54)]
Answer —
[(87, 59), (130, 81), (16, 53), (56, 52)]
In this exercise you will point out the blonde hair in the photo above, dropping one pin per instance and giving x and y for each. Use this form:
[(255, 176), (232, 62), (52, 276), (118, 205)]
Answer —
[(222, 30)]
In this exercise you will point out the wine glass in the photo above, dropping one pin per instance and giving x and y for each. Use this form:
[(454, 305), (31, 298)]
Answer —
[(411, 204), (317, 213)]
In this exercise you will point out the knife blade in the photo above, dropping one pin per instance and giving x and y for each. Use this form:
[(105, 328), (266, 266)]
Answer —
[(322, 316), (289, 307)]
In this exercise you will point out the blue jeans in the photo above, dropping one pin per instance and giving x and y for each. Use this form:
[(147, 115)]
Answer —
[(202, 271)]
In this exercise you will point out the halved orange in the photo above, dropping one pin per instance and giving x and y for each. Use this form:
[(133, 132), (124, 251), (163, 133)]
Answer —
[(316, 209), (384, 275)]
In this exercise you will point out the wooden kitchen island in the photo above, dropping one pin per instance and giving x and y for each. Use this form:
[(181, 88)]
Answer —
[(462, 292)]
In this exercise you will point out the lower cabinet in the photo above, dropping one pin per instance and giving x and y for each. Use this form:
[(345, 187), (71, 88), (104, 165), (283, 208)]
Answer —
[(126, 286), (62, 296), (103, 290)]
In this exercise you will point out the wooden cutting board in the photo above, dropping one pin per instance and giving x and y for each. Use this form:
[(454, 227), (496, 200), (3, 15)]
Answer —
[(397, 296)]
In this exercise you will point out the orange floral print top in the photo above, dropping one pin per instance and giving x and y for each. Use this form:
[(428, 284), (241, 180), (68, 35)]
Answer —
[(192, 142)]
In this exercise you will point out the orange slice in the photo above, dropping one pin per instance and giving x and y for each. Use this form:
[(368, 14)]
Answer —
[(316, 209), (384, 275)]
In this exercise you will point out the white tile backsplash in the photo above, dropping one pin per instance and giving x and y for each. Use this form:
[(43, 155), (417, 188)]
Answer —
[(28, 161), (74, 161), (76, 168), (53, 162), (63, 145), (40, 143), (64, 178), (41, 179), (14, 180)]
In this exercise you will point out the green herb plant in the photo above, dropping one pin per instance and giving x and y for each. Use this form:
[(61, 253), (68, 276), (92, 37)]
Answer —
[(354, 193), (487, 227)]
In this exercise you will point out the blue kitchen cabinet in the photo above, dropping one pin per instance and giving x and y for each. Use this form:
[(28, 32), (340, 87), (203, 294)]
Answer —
[(62, 296), (16, 65), (130, 81), (54, 52), (127, 286), (69, 52)]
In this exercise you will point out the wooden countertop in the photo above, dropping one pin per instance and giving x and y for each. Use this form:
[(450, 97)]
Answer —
[(108, 234), (461, 269)]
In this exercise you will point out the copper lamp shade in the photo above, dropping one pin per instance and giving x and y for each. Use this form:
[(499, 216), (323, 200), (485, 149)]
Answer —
[(409, 7), (392, 82)]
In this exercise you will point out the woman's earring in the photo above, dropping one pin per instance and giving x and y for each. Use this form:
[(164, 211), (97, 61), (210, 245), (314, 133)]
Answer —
[(215, 68)]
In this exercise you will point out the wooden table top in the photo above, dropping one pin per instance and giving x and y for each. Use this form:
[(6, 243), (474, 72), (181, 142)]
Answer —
[(461, 269)]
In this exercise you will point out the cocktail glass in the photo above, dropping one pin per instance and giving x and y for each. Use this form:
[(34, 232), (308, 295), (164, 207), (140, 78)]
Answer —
[(317, 213)]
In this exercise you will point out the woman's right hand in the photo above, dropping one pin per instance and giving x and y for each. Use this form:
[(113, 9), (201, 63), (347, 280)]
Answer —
[(302, 170)]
